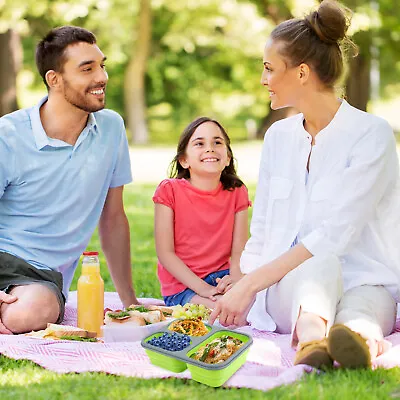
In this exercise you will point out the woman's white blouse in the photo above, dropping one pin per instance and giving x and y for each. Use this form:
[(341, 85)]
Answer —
[(348, 206)]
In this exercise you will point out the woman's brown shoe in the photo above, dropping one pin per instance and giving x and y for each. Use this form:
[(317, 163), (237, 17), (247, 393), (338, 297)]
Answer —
[(314, 353), (348, 348)]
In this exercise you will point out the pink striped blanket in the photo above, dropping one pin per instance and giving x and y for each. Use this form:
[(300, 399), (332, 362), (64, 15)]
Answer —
[(269, 363)]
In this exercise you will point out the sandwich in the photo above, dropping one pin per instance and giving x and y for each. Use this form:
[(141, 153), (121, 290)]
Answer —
[(123, 317), (136, 315), (64, 332), (167, 311)]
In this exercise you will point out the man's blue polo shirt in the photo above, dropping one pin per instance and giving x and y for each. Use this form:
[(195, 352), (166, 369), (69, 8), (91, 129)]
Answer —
[(52, 193)]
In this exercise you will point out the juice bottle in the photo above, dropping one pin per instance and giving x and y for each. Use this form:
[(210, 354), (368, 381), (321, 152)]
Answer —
[(91, 294)]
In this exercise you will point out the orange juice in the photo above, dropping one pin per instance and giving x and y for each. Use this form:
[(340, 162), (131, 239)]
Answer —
[(91, 294)]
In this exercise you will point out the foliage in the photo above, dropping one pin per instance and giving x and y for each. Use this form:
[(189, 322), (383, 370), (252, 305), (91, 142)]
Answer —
[(205, 55)]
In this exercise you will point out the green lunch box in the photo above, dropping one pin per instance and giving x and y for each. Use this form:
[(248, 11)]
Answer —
[(210, 374)]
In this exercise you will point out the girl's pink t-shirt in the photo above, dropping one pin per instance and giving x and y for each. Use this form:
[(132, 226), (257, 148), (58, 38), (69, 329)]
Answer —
[(203, 227)]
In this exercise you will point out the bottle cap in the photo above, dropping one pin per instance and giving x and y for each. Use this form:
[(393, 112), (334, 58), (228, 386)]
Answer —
[(90, 253)]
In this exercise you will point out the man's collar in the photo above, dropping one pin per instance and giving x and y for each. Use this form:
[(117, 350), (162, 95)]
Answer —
[(41, 138)]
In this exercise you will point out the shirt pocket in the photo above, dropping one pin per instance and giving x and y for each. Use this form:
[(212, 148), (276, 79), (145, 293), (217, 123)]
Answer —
[(278, 215), (323, 195)]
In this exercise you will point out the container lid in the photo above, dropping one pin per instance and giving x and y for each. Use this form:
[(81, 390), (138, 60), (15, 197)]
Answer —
[(90, 253)]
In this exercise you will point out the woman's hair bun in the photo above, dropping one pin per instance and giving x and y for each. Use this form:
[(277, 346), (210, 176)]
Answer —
[(330, 22)]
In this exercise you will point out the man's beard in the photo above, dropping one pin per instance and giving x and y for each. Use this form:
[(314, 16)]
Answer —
[(80, 101)]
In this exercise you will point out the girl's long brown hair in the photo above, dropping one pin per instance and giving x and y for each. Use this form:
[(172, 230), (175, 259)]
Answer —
[(229, 178)]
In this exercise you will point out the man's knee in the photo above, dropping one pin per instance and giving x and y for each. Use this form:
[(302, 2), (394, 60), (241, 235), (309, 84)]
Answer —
[(36, 306)]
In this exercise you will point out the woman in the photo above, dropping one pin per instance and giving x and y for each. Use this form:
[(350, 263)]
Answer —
[(325, 210)]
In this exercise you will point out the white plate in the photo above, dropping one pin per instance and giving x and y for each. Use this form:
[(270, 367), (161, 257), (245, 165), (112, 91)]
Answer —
[(129, 333)]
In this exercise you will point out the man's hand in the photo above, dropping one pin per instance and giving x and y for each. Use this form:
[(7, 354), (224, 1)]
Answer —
[(8, 299)]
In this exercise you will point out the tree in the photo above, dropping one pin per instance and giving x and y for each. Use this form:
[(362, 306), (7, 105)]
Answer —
[(375, 30), (358, 88), (206, 60), (10, 61), (134, 87), (171, 60), (23, 19), (357, 83)]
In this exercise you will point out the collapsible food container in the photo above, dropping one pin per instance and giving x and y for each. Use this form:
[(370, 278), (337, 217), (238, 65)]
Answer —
[(210, 374)]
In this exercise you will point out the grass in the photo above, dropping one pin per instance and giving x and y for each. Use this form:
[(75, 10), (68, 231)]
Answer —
[(20, 379)]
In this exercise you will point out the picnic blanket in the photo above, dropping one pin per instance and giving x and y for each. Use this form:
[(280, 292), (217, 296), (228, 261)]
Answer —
[(269, 363)]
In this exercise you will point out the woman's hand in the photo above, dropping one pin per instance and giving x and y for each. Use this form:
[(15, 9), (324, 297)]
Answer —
[(232, 308)]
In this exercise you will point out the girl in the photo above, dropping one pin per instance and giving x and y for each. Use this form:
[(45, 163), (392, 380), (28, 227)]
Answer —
[(326, 212), (200, 218)]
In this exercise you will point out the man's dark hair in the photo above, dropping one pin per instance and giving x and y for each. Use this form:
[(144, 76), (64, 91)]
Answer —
[(50, 51)]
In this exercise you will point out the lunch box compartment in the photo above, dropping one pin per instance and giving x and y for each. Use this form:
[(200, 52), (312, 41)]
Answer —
[(209, 328), (217, 374)]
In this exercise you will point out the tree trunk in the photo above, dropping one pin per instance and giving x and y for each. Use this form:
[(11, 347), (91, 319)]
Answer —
[(358, 82), (273, 116), (134, 91), (10, 61), (358, 86)]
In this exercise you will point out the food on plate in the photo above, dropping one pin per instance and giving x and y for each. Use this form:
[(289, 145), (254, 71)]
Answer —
[(63, 332), (191, 327), (137, 315), (218, 350), (190, 310), (170, 341)]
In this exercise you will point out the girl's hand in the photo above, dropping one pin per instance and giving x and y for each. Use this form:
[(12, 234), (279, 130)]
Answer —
[(232, 308), (208, 291), (226, 283)]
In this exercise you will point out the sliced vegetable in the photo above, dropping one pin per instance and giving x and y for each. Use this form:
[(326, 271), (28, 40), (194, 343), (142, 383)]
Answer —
[(138, 308), (78, 338), (119, 315)]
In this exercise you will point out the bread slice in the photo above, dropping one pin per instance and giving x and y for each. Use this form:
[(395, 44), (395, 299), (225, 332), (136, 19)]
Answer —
[(152, 317), (55, 331)]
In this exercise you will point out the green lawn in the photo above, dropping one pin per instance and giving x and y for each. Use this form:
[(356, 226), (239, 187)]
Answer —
[(25, 380)]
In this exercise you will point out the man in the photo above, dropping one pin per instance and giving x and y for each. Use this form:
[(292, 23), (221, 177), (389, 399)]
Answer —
[(63, 165)]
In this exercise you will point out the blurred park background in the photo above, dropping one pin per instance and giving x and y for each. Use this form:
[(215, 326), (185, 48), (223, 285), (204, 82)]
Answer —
[(170, 61)]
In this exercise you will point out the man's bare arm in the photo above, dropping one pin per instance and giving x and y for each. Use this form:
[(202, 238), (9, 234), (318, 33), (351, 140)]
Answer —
[(115, 242)]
